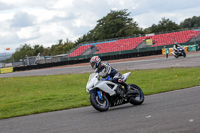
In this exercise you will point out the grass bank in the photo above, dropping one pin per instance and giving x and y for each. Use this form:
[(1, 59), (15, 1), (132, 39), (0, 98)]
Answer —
[(30, 95)]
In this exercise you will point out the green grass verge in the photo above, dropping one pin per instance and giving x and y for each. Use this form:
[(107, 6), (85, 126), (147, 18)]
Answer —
[(30, 95)]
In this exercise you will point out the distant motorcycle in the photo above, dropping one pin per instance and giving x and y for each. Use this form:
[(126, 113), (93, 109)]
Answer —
[(180, 52), (104, 93)]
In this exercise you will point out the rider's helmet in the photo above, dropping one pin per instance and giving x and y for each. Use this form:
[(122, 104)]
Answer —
[(94, 62)]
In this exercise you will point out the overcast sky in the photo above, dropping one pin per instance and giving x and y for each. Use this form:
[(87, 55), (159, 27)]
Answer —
[(47, 21)]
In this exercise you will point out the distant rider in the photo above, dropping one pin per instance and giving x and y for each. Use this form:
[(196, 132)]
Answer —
[(104, 69), (176, 47)]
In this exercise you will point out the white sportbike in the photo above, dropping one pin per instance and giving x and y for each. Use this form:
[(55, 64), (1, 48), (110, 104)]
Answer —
[(104, 93)]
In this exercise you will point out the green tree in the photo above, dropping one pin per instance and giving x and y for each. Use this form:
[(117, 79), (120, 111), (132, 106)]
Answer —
[(115, 24), (60, 48), (67, 46), (165, 25), (22, 51), (38, 49), (191, 22)]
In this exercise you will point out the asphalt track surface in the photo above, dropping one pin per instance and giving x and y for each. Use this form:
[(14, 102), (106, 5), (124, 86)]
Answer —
[(170, 112)]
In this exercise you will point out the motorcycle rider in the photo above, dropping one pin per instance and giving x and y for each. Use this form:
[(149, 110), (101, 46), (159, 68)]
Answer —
[(104, 70), (176, 47)]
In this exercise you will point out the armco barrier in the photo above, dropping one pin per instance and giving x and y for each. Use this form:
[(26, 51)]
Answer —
[(6, 70)]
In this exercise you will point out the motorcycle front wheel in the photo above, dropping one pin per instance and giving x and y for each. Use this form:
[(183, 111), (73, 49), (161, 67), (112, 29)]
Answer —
[(100, 104), (137, 98)]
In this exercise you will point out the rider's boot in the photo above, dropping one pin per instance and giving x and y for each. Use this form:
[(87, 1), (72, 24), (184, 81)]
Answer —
[(126, 86)]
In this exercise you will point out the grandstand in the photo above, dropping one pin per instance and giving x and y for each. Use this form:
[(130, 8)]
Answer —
[(79, 50), (170, 38), (132, 43)]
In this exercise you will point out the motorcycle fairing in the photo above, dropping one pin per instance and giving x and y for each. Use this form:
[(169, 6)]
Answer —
[(105, 87)]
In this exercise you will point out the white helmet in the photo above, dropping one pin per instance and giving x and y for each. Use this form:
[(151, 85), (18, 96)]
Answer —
[(94, 62)]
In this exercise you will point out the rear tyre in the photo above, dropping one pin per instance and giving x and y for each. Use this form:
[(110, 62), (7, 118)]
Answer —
[(99, 104), (137, 98)]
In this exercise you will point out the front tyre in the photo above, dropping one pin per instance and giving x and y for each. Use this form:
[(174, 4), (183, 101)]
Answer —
[(99, 104), (137, 98)]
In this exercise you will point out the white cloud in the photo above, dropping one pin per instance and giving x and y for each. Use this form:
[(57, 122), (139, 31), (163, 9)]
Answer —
[(4, 16), (123, 4), (28, 32), (22, 19), (153, 17), (63, 4), (45, 22), (85, 20)]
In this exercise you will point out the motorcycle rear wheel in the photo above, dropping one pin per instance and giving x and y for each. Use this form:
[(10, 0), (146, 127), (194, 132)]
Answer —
[(138, 98), (102, 104)]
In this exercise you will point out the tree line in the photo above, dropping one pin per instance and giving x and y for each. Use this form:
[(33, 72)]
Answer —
[(28, 50), (115, 24)]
